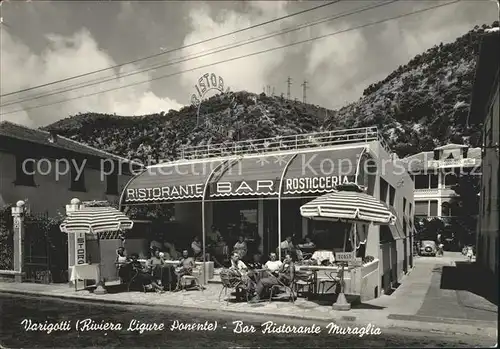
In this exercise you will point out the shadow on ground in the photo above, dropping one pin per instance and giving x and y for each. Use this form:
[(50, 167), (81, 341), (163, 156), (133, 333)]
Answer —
[(470, 277)]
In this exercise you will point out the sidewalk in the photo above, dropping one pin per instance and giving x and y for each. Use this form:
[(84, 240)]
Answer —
[(417, 305)]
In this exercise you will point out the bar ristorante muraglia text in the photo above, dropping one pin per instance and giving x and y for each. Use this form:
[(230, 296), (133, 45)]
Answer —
[(256, 187)]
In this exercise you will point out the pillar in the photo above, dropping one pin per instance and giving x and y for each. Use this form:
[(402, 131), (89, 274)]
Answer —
[(260, 223), (74, 205), (18, 214)]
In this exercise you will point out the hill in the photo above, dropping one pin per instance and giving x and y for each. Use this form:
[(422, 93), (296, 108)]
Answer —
[(419, 106)]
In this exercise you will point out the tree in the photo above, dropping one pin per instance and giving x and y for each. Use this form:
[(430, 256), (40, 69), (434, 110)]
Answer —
[(465, 208)]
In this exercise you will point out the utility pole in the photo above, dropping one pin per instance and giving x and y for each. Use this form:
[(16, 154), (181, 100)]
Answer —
[(289, 84), (272, 94), (304, 88)]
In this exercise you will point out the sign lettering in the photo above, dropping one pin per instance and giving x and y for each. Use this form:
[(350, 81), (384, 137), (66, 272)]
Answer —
[(207, 82), (80, 249), (345, 256)]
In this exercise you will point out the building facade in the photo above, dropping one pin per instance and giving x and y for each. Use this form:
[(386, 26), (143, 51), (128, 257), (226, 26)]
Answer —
[(485, 110), (47, 170), (434, 173), (255, 189)]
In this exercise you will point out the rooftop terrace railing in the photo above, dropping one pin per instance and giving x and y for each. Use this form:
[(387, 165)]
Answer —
[(286, 143)]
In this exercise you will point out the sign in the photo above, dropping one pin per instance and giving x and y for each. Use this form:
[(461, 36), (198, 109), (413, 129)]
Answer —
[(207, 82), (345, 256), (243, 187), (80, 249)]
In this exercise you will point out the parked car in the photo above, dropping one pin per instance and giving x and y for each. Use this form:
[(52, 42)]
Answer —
[(428, 248)]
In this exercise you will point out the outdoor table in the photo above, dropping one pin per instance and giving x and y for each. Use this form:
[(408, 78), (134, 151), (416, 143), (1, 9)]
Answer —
[(84, 272), (330, 271)]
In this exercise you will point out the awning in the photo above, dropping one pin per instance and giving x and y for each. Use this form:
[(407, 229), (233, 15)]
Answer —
[(396, 228), (348, 205), (251, 176), (321, 171), (96, 220), (309, 172), (171, 182)]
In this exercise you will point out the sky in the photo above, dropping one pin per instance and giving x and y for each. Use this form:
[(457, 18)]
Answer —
[(42, 42)]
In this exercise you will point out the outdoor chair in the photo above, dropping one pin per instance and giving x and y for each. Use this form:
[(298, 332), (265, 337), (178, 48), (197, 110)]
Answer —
[(135, 281), (331, 279), (301, 281), (190, 281), (275, 289), (232, 281)]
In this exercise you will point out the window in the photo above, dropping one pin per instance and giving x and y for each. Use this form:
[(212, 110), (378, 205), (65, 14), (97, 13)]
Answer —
[(112, 184), (421, 208), (410, 213), (385, 234), (434, 180), (421, 182), (77, 177), (450, 179), (392, 195), (446, 209), (25, 171), (383, 190), (404, 205), (433, 209)]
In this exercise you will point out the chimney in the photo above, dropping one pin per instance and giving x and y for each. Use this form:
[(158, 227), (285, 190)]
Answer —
[(436, 154), (53, 136)]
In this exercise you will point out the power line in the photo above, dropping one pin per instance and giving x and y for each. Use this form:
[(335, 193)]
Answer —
[(191, 57), (243, 56), (173, 50)]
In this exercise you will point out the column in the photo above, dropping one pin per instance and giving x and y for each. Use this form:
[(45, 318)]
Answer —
[(75, 205), (260, 223), (18, 214)]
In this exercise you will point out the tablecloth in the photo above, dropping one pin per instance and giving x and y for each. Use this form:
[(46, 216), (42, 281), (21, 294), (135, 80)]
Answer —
[(85, 272)]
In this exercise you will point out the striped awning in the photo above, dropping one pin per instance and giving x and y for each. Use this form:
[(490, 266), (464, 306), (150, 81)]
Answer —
[(96, 220), (348, 205)]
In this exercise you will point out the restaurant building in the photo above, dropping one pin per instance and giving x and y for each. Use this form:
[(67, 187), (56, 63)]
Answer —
[(255, 189)]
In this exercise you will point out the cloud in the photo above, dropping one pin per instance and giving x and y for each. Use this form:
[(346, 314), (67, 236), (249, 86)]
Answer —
[(65, 57), (250, 73)]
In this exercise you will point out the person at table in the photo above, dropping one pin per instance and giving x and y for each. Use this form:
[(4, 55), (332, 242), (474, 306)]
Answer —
[(241, 247), (255, 263), (186, 265), (284, 275), (273, 264), (196, 247), (156, 243), (169, 248), (307, 243), (237, 264), (143, 276), (214, 235), (286, 245), (121, 258)]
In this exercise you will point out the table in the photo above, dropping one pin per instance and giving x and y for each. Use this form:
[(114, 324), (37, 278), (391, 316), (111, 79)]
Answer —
[(329, 270), (84, 272)]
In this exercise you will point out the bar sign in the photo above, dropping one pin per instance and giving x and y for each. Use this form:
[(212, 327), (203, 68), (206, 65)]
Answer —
[(80, 248)]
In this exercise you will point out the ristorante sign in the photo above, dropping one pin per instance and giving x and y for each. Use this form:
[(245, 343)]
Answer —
[(265, 187)]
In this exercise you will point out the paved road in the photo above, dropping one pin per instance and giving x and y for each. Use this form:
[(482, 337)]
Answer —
[(13, 309)]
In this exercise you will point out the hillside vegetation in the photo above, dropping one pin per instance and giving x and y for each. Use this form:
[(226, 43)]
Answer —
[(419, 106)]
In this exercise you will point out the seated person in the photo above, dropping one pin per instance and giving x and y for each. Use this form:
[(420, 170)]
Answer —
[(196, 247), (287, 244), (121, 258), (240, 269), (142, 276), (241, 247), (169, 248), (221, 250), (283, 276), (273, 264), (255, 263), (307, 243), (162, 272), (186, 265), (156, 243), (214, 235)]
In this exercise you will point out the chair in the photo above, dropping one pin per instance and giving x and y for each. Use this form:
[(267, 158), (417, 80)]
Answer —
[(186, 281), (280, 286), (230, 281), (134, 280), (301, 281), (333, 280)]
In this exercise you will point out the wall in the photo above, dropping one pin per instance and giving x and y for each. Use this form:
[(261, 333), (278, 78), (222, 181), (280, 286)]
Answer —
[(51, 194), (391, 255), (489, 219)]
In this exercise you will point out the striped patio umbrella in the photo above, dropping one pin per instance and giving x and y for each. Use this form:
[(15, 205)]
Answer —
[(350, 205), (96, 220)]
